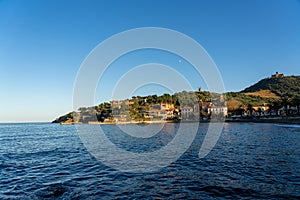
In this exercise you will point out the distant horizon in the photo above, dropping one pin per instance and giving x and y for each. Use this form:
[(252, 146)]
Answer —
[(17, 122), (28, 122), (44, 44), (49, 121)]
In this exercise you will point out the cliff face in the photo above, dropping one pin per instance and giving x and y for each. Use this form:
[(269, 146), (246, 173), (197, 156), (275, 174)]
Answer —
[(287, 86)]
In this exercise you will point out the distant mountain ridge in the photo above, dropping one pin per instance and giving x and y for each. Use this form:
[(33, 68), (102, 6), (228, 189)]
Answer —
[(283, 86)]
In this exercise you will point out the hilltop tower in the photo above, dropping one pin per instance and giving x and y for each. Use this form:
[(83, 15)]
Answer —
[(277, 75)]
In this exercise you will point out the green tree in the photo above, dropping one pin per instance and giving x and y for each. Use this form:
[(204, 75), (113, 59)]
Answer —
[(250, 109), (295, 101), (285, 102)]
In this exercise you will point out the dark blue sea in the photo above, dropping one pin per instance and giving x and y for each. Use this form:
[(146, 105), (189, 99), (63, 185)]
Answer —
[(249, 161)]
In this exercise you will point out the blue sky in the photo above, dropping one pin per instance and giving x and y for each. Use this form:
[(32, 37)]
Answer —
[(43, 43)]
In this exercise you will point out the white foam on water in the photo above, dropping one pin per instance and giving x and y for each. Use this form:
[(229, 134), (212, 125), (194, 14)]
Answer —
[(288, 125)]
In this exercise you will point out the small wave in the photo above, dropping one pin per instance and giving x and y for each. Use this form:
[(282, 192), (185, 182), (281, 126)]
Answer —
[(288, 125), (219, 191), (56, 190)]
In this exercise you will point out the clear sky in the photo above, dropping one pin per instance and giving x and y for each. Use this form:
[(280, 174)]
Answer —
[(43, 43)]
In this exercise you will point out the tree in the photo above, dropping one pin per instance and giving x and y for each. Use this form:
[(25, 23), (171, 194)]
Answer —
[(250, 109), (285, 102), (275, 105), (259, 112), (295, 101)]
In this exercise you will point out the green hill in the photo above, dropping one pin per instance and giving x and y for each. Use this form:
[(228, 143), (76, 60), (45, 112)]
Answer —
[(276, 92), (286, 86)]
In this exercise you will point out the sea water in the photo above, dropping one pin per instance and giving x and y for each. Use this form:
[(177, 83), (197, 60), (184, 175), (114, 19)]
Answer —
[(49, 161)]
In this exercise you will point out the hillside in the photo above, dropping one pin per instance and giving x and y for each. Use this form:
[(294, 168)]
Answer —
[(286, 86), (276, 92), (264, 94)]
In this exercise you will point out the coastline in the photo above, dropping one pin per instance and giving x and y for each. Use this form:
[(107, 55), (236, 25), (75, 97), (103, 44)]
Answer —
[(113, 123), (277, 120)]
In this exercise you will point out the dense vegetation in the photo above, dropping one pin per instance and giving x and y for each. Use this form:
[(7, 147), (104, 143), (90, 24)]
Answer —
[(136, 107), (288, 86)]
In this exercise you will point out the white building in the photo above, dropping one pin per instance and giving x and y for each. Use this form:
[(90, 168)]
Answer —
[(217, 110), (186, 112)]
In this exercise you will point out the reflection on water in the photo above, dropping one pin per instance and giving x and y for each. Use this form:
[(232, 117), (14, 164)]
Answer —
[(250, 160)]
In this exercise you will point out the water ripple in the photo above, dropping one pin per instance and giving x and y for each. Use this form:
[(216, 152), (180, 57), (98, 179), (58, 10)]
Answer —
[(48, 161)]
